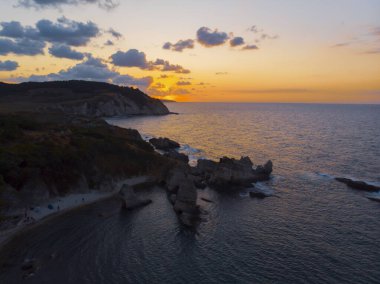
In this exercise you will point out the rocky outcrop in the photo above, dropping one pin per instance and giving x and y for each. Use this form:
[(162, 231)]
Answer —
[(361, 185), (164, 144), (84, 98), (229, 172), (173, 154), (183, 195), (131, 200)]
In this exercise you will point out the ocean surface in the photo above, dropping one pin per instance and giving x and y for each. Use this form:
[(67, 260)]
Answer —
[(314, 230)]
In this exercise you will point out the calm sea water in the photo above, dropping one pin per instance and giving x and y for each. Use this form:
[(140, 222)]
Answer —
[(315, 231)]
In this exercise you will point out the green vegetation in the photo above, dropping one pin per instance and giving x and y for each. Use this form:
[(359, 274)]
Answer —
[(59, 151)]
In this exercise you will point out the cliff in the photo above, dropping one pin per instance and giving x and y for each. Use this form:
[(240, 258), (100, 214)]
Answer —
[(43, 156), (91, 99)]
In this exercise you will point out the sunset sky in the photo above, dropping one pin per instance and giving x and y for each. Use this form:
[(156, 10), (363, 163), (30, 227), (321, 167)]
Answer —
[(210, 50)]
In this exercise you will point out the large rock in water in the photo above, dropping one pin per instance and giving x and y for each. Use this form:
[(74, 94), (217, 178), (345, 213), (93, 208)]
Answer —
[(91, 99), (131, 200), (164, 143), (358, 184), (186, 204), (231, 172)]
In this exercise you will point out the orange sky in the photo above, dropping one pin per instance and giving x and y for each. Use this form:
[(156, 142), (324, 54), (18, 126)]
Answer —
[(306, 52)]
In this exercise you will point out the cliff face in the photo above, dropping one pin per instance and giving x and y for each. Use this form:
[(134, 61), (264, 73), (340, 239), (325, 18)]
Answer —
[(92, 99)]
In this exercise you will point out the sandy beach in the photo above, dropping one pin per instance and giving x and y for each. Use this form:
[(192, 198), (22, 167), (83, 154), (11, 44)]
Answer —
[(58, 206)]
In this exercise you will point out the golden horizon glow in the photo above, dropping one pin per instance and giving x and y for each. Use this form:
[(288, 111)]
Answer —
[(307, 59)]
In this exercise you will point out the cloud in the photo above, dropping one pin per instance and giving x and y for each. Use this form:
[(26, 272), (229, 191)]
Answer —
[(272, 91), (209, 38), (183, 83), (250, 47), (8, 65), (236, 41), (14, 29), (64, 51), (130, 58), (67, 31), (254, 29), (159, 85), (109, 43), (21, 47), (180, 92), (127, 80), (135, 58), (92, 69), (342, 44), (267, 36), (167, 67), (114, 33), (104, 4), (16, 37), (180, 45)]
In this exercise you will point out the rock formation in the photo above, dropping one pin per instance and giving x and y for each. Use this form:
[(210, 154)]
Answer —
[(361, 185), (164, 143), (230, 172), (131, 200)]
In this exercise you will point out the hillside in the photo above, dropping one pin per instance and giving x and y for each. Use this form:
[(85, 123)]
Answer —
[(92, 99), (43, 156)]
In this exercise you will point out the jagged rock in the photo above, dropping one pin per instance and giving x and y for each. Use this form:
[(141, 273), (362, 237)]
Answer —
[(173, 154), (199, 183), (263, 172), (131, 200), (186, 200), (164, 143), (206, 166), (230, 172), (358, 184), (175, 178)]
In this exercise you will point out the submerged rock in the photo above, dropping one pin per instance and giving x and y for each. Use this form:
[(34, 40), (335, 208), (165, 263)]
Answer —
[(164, 143), (258, 194), (361, 185), (131, 200), (374, 198)]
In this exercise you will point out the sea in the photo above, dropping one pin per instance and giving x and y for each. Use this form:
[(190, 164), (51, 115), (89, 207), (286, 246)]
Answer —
[(312, 229)]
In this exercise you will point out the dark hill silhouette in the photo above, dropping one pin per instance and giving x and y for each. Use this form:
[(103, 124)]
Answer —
[(87, 98)]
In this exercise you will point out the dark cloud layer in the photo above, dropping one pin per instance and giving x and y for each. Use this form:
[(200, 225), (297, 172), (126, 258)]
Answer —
[(92, 69), (21, 46), (167, 67), (65, 51), (236, 41), (67, 31), (105, 4), (130, 58), (135, 58), (180, 45), (208, 37), (114, 33), (8, 65), (26, 40)]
